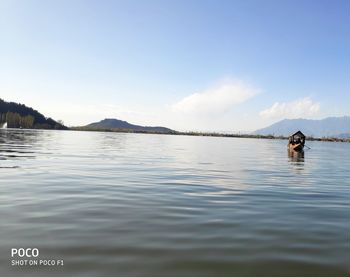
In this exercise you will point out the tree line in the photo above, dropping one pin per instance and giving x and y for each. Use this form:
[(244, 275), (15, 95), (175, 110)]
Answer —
[(15, 120)]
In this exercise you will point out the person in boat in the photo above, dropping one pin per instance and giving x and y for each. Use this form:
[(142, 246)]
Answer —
[(297, 141)]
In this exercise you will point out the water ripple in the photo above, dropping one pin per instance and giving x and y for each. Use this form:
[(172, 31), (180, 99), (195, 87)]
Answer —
[(152, 205)]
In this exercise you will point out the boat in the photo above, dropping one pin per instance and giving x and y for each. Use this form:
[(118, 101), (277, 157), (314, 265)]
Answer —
[(297, 142)]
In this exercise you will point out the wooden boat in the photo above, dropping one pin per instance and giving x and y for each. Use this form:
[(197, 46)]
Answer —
[(296, 147), (297, 142)]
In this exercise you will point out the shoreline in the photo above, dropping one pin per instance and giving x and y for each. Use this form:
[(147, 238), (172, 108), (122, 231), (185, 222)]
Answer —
[(205, 134), (190, 133)]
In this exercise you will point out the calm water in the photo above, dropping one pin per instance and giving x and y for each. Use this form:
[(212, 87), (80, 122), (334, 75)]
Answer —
[(112, 204)]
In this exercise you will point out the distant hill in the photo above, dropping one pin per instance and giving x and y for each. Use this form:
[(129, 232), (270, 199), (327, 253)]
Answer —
[(328, 127), (111, 123), (18, 115)]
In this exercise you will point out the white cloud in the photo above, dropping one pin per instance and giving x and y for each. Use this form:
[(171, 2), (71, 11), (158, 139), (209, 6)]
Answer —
[(304, 107), (216, 100)]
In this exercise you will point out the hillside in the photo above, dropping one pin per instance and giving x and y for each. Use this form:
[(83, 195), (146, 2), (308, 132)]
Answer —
[(20, 116), (116, 124), (328, 127)]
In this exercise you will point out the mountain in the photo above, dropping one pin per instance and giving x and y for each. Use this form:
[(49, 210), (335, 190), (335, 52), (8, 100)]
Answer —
[(20, 116), (111, 123), (328, 127)]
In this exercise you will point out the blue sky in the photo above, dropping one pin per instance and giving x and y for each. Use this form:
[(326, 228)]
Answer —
[(189, 65)]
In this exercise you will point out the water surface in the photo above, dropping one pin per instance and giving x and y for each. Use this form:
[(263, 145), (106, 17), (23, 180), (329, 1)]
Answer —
[(114, 204)]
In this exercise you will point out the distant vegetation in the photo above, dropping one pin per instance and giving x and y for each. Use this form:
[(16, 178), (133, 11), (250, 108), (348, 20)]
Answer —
[(15, 120), (204, 134), (255, 136), (20, 116)]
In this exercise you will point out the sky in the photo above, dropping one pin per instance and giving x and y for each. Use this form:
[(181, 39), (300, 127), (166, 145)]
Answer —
[(216, 65)]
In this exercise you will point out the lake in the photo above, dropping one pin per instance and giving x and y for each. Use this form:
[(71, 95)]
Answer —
[(117, 204)]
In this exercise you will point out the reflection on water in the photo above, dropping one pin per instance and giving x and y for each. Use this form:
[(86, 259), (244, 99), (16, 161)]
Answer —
[(296, 156), (17, 144), (114, 204), (296, 159)]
